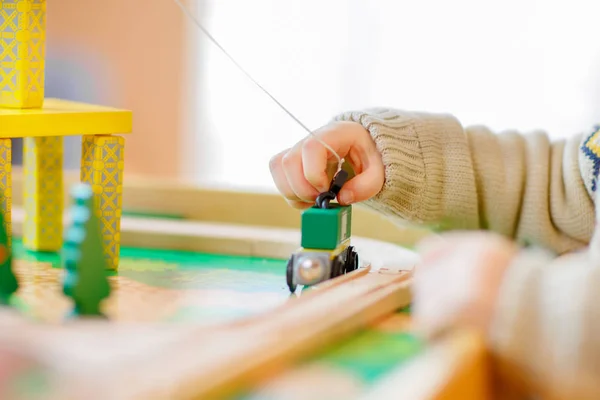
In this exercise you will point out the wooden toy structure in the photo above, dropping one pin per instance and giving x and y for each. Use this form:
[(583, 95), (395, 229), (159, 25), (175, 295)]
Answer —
[(43, 123)]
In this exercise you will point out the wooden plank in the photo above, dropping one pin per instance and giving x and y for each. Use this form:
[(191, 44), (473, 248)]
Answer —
[(183, 361), (234, 239), (453, 367), (59, 117), (212, 361), (208, 368), (144, 195)]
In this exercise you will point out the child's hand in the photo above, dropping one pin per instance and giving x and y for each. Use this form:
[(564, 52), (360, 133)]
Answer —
[(304, 171), (458, 281)]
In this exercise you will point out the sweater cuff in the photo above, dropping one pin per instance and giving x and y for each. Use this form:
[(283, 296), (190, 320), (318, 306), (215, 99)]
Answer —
[(429, 178)]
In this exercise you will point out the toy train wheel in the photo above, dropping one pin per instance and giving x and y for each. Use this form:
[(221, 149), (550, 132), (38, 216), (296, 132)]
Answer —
[(290, 276), (337, 267), (351, 260)]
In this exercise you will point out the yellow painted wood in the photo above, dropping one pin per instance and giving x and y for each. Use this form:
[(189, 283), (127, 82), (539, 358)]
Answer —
[(22, 53), (6, 184), (470, 379), (64, 118), (43, 193), (102, 167)]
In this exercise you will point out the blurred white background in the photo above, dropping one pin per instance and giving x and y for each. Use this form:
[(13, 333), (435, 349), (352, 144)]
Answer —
[(524, 64)]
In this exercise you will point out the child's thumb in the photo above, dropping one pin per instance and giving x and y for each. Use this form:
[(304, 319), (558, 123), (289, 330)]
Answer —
[(362, 186)]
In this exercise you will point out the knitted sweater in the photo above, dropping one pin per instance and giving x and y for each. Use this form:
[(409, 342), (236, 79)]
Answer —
[(442, 175)]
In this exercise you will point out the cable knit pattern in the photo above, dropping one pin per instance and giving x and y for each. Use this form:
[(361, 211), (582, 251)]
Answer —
[(425, 182), (444, 176)]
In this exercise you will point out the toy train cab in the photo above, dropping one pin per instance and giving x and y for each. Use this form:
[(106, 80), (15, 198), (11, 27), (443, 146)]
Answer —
[(325, 251)]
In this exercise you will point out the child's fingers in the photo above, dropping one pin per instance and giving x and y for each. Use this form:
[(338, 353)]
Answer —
[(365, 184), (282, 184), (301, 205), (441, 291), (433, 307), (314, 164), (434, 246), (294, 171), (458, 280), (306, 165), (279, 177), (362, 187), (301, 173), (341, 137)]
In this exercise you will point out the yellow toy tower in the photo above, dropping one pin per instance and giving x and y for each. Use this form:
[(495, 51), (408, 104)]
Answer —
[(42, 123)]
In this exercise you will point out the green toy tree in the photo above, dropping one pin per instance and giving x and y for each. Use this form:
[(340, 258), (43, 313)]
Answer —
[(8, 280), (85, 279)]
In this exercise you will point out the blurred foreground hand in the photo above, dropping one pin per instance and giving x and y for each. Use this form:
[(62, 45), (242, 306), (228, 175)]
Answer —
[(539, 313), (458, 280)]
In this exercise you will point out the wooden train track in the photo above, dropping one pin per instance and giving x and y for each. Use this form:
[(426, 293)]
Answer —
[(186, 361), (120, 360)]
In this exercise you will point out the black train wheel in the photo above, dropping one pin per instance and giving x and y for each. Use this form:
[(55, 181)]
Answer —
[(337, 267), (290, 275), (351, 260)]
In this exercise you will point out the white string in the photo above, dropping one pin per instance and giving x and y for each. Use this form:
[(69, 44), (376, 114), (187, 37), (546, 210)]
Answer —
[(199, 25)]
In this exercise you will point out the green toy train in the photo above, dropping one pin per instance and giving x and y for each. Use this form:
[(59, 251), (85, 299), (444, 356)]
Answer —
[(325, 251)]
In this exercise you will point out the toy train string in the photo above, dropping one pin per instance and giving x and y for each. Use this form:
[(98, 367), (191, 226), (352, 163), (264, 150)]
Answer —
[(325, 251)]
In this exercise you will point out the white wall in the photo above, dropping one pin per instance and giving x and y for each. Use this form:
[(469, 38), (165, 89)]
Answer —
[(522, 64)]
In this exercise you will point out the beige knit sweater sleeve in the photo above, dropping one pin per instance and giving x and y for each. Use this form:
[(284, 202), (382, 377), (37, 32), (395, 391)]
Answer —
[(446, 176), (546, 326)]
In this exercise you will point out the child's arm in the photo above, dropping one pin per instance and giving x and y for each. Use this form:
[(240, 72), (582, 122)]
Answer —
[(542, 314), (446, 176), (547, 324)]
